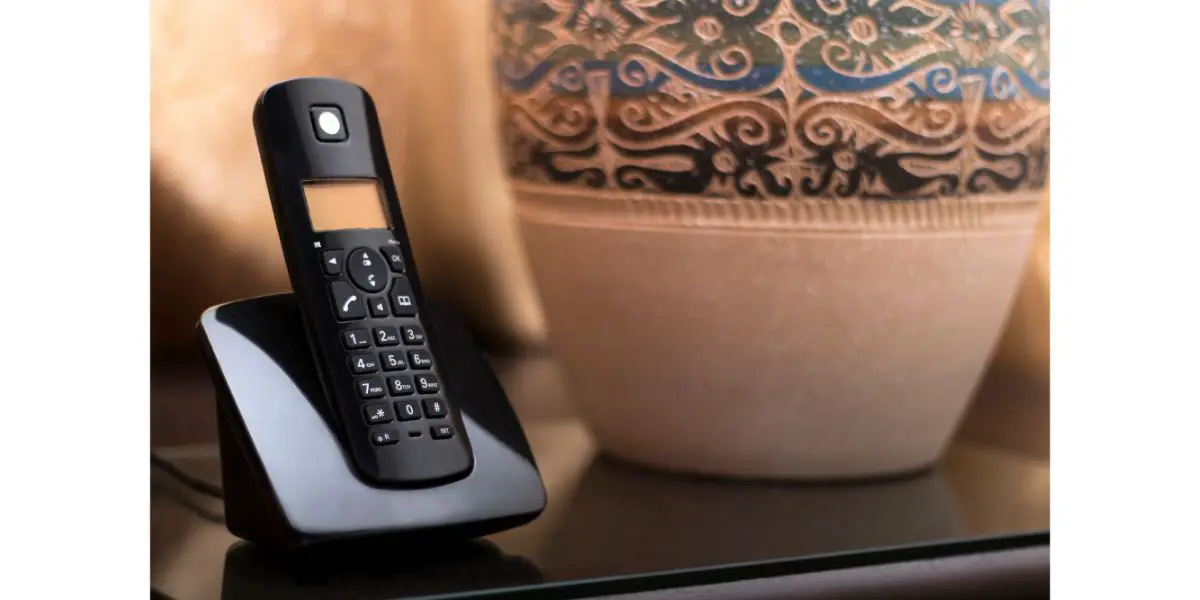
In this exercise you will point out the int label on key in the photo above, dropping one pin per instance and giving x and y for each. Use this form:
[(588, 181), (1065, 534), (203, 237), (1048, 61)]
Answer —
[(384, 438)]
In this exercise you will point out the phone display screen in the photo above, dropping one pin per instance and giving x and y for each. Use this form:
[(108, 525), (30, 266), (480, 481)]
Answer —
[(345, 204)]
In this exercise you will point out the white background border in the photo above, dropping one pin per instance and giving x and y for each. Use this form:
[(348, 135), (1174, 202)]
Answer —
[(74, 217), (1124, 296)]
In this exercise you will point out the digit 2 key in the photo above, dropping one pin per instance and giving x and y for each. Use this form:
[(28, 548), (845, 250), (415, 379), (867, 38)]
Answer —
[(350, 263)]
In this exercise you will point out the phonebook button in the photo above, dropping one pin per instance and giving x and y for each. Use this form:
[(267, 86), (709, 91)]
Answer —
[(401, 294)]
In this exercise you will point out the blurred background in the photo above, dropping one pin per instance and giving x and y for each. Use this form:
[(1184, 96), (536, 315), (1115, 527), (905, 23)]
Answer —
[(212, 231), (427, 65)]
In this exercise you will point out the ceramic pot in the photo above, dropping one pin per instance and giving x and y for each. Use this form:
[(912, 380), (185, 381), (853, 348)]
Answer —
[(775, 238)]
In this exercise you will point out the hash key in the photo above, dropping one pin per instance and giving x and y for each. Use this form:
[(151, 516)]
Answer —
[(434, 407)]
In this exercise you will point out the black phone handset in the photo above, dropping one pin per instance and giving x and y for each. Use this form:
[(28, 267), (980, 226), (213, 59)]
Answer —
[(352, 272)]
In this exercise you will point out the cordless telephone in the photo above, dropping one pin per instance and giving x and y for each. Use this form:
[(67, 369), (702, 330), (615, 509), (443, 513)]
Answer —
[(352, 272)]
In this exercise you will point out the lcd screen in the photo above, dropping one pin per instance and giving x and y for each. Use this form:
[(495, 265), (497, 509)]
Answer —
[(347, 204)]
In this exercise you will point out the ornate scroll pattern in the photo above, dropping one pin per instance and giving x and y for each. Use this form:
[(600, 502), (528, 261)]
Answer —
[(872, 99)]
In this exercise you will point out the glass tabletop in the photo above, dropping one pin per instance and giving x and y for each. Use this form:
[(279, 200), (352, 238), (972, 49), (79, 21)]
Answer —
[(611, 521)]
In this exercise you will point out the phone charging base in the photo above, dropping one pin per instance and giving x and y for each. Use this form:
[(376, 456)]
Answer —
[(287, 480)]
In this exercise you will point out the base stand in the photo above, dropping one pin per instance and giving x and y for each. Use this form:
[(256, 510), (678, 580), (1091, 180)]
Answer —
[(287, 481)]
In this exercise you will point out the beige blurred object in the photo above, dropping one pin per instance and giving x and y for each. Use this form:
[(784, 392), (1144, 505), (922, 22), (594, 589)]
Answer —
[(424, 63), (779, 339), (1025, 346), (775, 240)]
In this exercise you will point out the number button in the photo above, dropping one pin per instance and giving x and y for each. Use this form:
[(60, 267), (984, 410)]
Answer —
[(407, 410), (348, 303), (413, 335), (377, 414), (428, 384), (378, 306), (363, 363), (385, 438), (420, 359), (401, 385), (356, 338), (441, 432), (366, 270), (369, 387), (332, 263), (393, 361), (394, 258), (434, 408), (403, 303), (386, 336)]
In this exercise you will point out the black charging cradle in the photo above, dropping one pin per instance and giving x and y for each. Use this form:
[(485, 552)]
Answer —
[(288, 484)]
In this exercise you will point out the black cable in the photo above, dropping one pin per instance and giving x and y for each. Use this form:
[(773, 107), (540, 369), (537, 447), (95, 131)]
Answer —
[(191, 481), (185, 502)]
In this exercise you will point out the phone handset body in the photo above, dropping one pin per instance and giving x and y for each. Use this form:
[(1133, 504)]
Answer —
[(351, 267)]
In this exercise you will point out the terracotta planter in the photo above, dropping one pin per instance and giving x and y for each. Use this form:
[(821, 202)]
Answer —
[(775, 239)]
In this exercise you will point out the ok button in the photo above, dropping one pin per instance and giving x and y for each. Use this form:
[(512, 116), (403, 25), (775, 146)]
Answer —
[(367, 270)]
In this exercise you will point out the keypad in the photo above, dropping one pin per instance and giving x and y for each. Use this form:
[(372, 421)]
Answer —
[(363, 363), (419, 359), (370, 286), (401, 385), (369, 387), (356, 338), (434, 408), (427, 383), (386, 336), (408, 410), (393, 361), (412, 335), (377, 414)]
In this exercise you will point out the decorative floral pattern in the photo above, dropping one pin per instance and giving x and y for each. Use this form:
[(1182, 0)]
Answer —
[(872, 99)]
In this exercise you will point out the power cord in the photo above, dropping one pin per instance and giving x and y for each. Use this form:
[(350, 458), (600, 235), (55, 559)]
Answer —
[(190, 481), (193, 483), (191, 505)]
